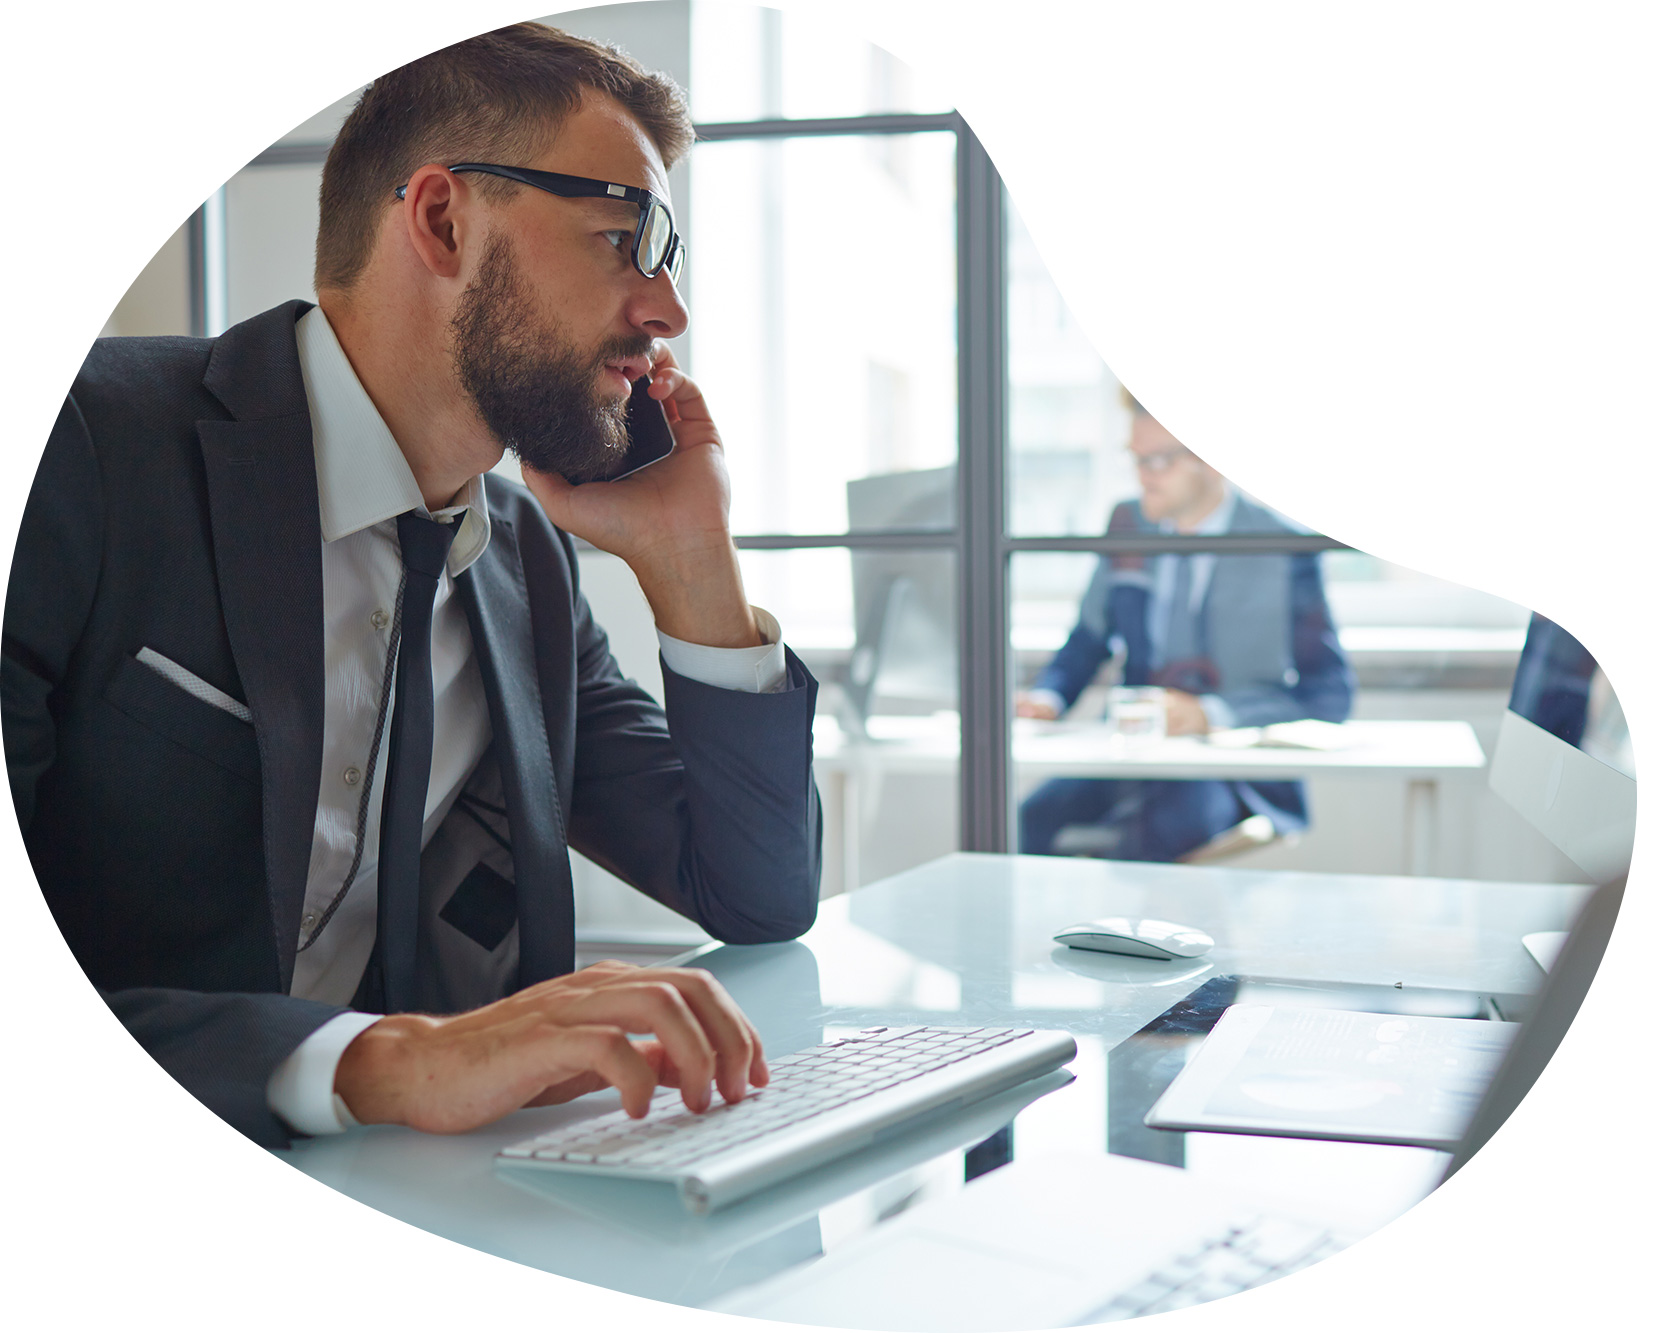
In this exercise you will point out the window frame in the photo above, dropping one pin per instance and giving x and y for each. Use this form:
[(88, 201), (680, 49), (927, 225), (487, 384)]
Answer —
[(980, 541)]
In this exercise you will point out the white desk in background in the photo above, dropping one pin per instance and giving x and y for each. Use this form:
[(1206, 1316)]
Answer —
[(1418, 754), (966, 940)]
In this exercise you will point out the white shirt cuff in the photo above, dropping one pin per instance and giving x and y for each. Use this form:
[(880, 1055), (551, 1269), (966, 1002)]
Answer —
[(301, 1090), (1220, 715), (761, 670), (1051, 698)]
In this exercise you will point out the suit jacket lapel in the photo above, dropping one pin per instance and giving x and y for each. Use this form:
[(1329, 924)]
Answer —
[(496, 600), (267, 543)]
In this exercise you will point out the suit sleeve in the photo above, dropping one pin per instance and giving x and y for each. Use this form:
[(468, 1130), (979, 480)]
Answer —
[(53, 581), (710, 807), (1323, 684), (222, 1048), (1087, 649)]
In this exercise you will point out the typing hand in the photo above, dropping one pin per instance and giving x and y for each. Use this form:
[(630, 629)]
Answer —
[(670, 522), (553, 1042)]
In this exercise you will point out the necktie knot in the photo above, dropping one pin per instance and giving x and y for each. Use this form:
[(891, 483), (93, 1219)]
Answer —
[(425, 543)]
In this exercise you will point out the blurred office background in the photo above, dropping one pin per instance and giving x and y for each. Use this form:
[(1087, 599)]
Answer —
[(906, 400)]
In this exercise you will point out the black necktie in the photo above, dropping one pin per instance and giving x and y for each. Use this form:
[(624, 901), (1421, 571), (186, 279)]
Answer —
[(425, 546)]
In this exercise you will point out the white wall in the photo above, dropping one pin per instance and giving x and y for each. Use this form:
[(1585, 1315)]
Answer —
[(158, 302)]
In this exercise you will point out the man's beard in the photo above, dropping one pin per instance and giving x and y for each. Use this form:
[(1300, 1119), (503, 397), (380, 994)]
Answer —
[(537, 393)]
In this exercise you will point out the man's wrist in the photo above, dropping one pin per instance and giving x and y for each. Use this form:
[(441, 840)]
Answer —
[(760, 670), (1220, 715), (368, 1076), (698, 598), (301, 1088)]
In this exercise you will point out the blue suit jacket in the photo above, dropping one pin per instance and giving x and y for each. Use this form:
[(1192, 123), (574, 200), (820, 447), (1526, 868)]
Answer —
[(1273, 655), (176, 508)]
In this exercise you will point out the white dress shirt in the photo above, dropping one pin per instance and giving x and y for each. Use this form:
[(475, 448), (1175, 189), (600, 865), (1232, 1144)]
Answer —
[(363, 484), (1164, 579), (1219, 714)]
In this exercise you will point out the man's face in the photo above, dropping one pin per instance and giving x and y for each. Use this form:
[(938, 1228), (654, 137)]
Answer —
[(1173, 480), (556, 323)]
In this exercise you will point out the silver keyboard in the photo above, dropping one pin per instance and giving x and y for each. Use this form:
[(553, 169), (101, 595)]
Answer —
[(1249, 1255), (820, 1104)]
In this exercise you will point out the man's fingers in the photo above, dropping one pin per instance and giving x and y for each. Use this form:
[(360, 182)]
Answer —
[(739, 1057), (658, 1007), (667, 381), (602, 1050)]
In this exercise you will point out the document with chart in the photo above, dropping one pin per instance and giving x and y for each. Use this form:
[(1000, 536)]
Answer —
[(1336, 1074)]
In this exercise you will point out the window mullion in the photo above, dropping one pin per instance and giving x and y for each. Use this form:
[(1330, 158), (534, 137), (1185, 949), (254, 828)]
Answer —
[(981, 568)]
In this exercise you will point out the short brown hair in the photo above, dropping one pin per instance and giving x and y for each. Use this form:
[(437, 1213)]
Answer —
[(493, 98)]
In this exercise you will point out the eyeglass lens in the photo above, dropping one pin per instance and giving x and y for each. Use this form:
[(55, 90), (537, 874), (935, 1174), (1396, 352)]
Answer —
[(652, 245)]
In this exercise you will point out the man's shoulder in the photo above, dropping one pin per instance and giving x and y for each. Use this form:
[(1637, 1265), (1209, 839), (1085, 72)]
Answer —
[(1251, 516), (124, 376), (250, 370)]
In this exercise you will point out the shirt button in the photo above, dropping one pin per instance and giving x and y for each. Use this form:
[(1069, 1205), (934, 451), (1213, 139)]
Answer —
[(352, 776), (308, 921), (380, 619)]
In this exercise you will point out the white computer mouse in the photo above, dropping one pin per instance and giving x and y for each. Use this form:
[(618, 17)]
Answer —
[(1140, 937)]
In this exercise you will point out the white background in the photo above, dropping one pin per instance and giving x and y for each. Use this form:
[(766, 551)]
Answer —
[(1420, 231)]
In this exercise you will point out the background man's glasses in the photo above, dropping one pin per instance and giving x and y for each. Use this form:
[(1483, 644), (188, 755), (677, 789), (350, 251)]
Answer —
[(1161, 460), (656, 244)]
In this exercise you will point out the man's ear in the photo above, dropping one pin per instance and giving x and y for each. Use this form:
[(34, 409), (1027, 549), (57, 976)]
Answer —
[(438, 216)]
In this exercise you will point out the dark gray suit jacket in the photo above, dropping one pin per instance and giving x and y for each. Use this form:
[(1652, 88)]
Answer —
[(176, 509)]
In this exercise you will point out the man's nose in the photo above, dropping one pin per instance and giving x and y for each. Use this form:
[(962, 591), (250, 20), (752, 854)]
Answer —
[(657, 308)]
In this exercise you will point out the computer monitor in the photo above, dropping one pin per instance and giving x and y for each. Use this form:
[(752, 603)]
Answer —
[(904, 601), (1561, 996), (1563, 759)]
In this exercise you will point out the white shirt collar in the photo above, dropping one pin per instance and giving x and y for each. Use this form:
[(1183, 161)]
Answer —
[(1217, 522), (362, 477)]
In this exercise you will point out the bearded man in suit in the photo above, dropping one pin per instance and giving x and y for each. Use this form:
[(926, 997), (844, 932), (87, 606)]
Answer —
[(1233, 640), (303, 714)]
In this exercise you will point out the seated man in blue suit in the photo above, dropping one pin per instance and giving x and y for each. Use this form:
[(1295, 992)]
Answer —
[(304, 713), (1235, 640)]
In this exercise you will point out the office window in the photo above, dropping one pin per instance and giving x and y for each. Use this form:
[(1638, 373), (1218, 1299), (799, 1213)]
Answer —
[(1067, 465), (752, 64), (877, 628), (795, 245), (1430, 660), (270, 224), (912, 413)]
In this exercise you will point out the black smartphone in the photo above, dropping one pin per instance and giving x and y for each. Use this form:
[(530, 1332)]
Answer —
[(649, 437)]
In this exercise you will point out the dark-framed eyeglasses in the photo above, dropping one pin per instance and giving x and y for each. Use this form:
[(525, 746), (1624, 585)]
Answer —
[(1161, 460), (656, 244)]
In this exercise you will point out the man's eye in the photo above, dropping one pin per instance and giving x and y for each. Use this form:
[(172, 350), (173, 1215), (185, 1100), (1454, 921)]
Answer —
[(617, 238)]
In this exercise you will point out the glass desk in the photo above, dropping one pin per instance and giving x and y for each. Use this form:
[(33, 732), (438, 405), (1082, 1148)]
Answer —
[(967, 940)]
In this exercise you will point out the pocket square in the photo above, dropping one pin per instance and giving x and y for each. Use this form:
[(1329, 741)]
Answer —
[(194, 684)]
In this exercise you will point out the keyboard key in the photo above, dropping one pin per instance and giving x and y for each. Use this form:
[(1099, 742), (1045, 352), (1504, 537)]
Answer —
[(1144, 1294)]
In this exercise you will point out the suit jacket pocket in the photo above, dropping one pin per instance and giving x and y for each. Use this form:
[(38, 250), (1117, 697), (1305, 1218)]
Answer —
[(151, 699)]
